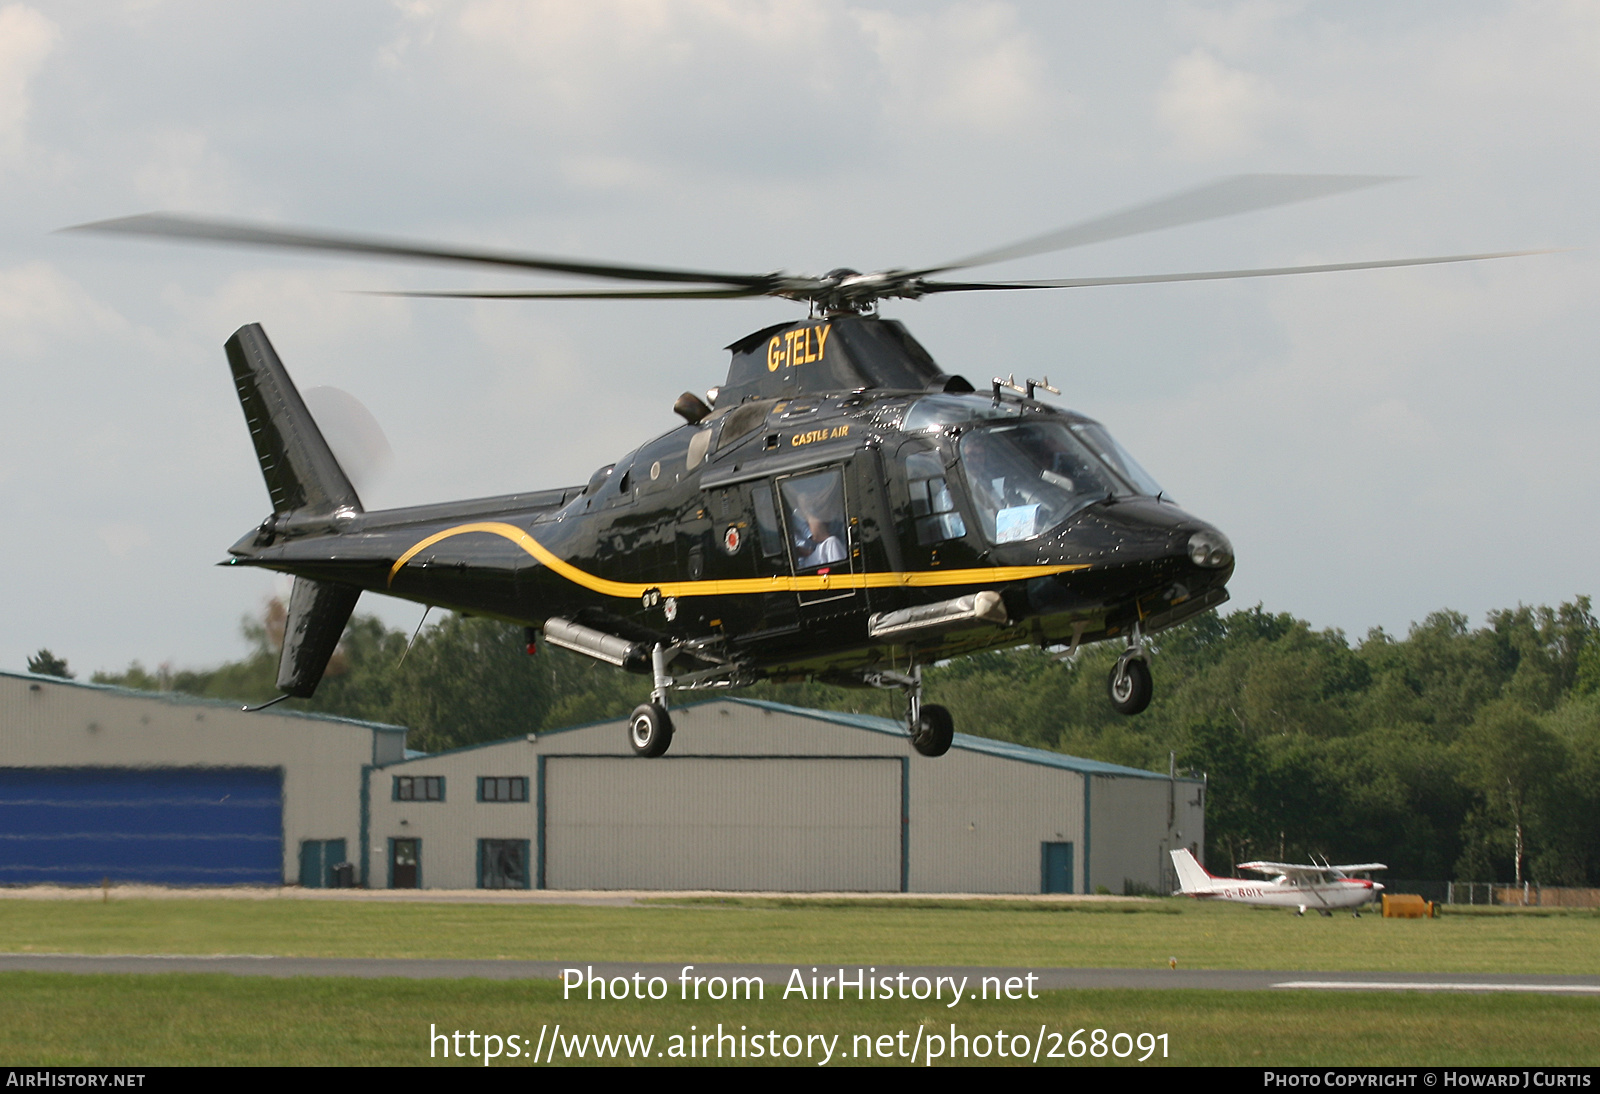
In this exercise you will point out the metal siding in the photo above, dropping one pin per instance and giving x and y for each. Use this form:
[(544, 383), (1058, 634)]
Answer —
[(793, 824), (1129, 820), (974, 823), (977, 822), (76, 826), (1192, 819), (450, 829), (1131, 836), (56, 724)]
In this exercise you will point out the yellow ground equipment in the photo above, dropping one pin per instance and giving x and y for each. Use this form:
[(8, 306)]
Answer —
[(1408, 906)]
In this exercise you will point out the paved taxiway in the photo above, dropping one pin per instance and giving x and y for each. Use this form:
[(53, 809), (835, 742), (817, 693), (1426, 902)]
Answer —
[(456, 969)]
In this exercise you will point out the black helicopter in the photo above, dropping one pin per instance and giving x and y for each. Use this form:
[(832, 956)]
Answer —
[(840, 509)]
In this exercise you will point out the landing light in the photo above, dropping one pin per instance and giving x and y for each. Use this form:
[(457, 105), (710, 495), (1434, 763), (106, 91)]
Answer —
[(1210, 549)]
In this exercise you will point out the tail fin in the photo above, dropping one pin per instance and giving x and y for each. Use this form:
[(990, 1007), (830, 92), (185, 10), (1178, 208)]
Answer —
[(302, 475), (1192, 877), (318, 612), (304, 480)]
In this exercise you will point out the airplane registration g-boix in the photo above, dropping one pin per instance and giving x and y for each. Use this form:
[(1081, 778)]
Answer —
[(1289, 885)]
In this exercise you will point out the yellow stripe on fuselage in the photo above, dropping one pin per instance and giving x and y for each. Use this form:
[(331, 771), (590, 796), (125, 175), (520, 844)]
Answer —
[(734, 586)]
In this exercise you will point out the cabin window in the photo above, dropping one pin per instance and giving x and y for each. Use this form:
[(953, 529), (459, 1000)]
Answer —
[(743, 420), (767, 521), (932, 508)]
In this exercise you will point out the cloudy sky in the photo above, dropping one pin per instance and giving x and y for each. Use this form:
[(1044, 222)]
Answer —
[(1379, 445)]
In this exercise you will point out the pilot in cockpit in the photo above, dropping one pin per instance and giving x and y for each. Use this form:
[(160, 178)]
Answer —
[(818, 546), (816, 519)]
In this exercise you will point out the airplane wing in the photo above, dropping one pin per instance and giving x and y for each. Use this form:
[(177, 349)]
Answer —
[(1281, 868), (1301, 869)]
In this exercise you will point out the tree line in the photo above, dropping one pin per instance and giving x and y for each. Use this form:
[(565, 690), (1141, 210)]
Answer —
[(1451, 752)]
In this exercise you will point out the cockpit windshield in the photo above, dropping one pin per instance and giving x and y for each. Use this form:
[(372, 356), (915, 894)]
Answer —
[(937, 412), (1028, 477), (1106, 447)]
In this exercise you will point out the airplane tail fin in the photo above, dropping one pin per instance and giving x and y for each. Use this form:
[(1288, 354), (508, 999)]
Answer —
[(1192, 877), (303, 477), (304, 480)]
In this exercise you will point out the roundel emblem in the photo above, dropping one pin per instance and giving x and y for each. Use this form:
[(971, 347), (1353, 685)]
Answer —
[(730, 540)]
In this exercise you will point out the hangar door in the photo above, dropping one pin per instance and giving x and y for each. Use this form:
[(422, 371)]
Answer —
[(793, 824), (159, 826)]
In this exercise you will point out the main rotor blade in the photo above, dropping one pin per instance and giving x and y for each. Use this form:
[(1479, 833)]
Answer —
[(1213, 275), (1223, 198), (576, 294), (200, 229)]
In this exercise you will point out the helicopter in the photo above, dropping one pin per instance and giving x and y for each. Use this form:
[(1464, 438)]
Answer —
[(839, 509)]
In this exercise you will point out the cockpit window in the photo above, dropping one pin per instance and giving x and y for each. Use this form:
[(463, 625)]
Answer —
[(1116, 457), (932, 507), (815, 507), (1027, 478), (939, 411)]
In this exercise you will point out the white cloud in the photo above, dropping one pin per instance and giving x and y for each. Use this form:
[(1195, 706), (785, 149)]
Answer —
[(26, 39), (123, 540), (40, 307), (179, 169), (1213, 110), (1342, 429), (964, 69)]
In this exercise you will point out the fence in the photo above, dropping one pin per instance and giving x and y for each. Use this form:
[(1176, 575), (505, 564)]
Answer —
[(1487, 892)]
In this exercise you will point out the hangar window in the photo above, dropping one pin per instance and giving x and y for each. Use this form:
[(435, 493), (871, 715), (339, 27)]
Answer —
[(497, 788), (419, 788), (503, 864)]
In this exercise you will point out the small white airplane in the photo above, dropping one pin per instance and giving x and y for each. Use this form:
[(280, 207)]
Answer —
[(1324, 887)]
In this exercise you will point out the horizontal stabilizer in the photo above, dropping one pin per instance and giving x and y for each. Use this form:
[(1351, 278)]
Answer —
[(301, 472), (318, 612)]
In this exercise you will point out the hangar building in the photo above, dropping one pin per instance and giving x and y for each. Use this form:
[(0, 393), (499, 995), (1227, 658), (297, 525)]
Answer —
[(758, 795), (103, 782)]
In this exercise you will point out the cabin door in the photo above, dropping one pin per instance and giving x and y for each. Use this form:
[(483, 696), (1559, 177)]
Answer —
[(822, 537)]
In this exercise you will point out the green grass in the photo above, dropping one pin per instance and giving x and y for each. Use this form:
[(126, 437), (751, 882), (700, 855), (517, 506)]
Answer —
[(843, 932), (131, 1021)]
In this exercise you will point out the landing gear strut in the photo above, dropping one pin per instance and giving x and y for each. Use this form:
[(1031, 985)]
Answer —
[(932, 728), (930, 725), (1130, 685), (650, 726)]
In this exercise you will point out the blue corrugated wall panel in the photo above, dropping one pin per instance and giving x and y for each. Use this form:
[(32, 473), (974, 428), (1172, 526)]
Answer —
[(166, 826)]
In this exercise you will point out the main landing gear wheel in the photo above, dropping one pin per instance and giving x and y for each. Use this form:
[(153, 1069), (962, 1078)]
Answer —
[(1130, 686), (934, 731), (650, 730)]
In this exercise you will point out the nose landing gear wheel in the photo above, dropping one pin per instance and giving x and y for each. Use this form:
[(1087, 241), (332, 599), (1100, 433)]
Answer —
[(1130, 686), (650, 730), (934, 731)]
